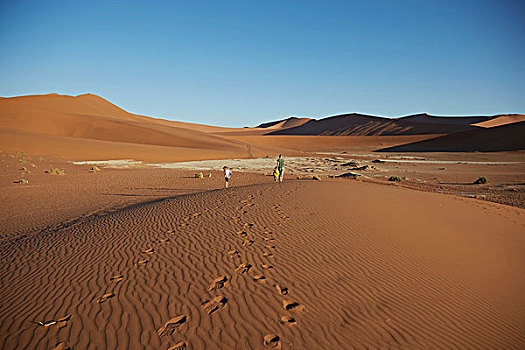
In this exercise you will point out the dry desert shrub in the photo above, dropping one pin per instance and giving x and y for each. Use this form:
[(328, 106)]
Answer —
[(396, 178), (481, 180), (55, 171)]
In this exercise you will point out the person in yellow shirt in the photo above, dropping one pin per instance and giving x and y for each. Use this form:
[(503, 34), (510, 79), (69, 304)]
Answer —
[(276, 174)]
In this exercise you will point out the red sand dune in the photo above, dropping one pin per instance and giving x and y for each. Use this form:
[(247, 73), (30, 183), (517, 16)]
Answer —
[(506, 137), (502, 120), (88, 126), (285, 123), (91, 117)]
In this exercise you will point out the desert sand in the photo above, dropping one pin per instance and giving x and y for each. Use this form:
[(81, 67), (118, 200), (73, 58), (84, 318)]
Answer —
[(307, 262), (140, 254)]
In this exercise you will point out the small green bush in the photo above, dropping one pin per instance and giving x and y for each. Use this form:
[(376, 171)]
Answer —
[(481, 180), (396, 178), (199, 175)]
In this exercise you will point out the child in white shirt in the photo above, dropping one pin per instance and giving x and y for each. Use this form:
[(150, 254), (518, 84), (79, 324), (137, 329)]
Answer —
[(227, 175)]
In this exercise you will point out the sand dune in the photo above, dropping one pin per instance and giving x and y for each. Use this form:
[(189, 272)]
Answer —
[(365, 125), (89, 127), (88, 149), (450, 120), (321, 273), (306, 143), (506, 137), (419, 124), (502, 120), (91, 117), (285, 123)]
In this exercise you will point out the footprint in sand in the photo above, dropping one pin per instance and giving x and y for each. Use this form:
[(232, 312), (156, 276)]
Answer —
[(61, 322), (105, 297), (259, 279), (164, 240), (148, 251), (272, 341), (142, 261), (242, 233), (234, 254), (218, 283), (171, 325), (116, 278), (249, 225), (268, 255), (248, 242), (243, 268), (293, 306), (215, 304), (179, 346), (288, 321), (62, 346), (281, 290), (269, 238), (269, 246), (266, 266)]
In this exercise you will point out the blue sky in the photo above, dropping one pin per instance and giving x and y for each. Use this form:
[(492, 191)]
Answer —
[(240, 63)]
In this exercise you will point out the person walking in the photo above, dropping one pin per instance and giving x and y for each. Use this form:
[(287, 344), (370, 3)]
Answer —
[(280, 167), (227, 175)]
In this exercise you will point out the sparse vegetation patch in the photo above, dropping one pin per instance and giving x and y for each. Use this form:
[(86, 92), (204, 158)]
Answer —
[(395, 178), (55, 171), (481, 180)]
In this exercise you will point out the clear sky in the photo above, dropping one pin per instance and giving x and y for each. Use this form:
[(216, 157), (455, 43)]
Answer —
[(240, 63)]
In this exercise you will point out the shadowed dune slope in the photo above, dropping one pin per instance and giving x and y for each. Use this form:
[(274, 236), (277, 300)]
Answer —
[(418, 124), (365, 125), (451, 120), (302, 265), (507, 137)]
